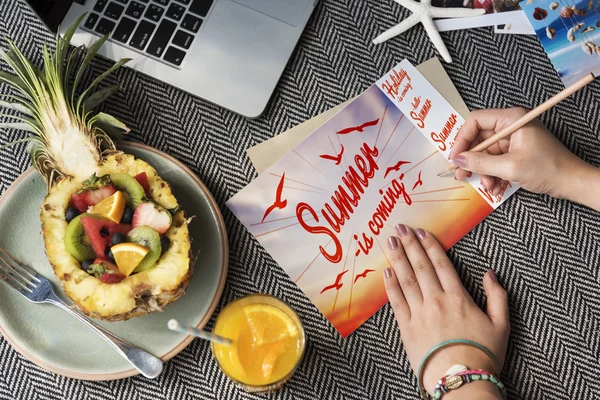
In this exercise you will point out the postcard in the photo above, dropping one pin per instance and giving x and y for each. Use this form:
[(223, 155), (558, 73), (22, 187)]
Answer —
[(568, 32), (496, 12), (325, 209), (515, 28)]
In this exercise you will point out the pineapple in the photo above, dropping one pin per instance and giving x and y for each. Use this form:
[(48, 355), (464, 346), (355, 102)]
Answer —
[(68, 143)]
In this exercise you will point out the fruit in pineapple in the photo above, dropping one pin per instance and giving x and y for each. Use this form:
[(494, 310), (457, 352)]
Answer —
[(68, 143)]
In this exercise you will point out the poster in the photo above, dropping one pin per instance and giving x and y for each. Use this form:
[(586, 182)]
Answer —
[(325, 209)]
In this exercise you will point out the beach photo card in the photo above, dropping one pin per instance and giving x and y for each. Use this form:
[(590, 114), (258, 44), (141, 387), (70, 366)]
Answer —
[(570, 33), (326, 208)]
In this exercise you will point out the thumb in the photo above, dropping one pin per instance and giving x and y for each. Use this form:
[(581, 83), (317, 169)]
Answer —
[(497, 300), (483, 163)]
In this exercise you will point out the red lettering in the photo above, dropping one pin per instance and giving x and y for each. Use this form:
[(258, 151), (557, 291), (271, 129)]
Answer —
[(336, 257), (445, 132), (441, 144), (392, 87), (487, 195), (344, 200)]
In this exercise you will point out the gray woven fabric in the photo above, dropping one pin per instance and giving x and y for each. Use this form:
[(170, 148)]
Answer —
[(545, 251)]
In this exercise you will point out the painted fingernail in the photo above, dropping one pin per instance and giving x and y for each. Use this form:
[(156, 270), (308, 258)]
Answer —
[(401, 230), (421, 233), (387, 272), (392, 243), (460, 160), (493, 275)]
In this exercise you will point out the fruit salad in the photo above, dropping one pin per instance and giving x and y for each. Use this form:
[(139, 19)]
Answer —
[(115, 227)]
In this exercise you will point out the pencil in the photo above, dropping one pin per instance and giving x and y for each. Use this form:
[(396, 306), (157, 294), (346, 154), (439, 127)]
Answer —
[(531, 115)]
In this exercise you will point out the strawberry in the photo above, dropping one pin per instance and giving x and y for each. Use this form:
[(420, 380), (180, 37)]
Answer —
[(152, 215), (142, 179), (95, 189), (111, 278), (106, 271)]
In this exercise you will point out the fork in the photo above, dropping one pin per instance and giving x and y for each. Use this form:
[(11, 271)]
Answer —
[(37, 289)]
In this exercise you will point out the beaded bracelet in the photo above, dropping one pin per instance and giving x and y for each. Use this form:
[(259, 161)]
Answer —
[(455, 381), (436, 348)]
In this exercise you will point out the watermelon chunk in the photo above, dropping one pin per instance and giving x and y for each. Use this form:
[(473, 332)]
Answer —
[(142, 179), (100, 233)]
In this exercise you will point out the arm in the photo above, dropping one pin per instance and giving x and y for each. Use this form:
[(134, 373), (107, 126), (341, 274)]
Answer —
[(584, 186)]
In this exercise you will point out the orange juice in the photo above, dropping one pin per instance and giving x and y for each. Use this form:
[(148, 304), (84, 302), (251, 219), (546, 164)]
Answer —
[(268, 342)]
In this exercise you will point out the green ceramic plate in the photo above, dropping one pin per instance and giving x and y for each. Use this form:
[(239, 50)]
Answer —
[(56, 341)]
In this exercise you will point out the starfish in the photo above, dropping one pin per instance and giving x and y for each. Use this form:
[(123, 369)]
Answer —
[(424, 13)]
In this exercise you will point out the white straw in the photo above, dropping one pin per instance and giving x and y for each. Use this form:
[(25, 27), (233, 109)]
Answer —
[(177, 326)]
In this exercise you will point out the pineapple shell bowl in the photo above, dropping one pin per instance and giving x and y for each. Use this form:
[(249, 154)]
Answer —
[(137, 294), (56, 341)]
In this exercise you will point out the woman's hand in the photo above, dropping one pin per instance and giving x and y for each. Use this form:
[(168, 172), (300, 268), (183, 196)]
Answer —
[(431, 306), (531, 157)]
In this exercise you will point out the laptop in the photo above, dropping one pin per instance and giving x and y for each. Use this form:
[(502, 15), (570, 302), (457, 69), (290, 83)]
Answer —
[(228, 52)]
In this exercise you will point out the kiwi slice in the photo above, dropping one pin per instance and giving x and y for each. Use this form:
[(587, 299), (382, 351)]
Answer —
[(147, 237), (128, 185), (76, 242)]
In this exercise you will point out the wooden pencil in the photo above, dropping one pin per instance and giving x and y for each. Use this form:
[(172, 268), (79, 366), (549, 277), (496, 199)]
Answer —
[(531, 115)]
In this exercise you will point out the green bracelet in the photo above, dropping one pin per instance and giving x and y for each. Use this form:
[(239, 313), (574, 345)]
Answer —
[(447, 343)]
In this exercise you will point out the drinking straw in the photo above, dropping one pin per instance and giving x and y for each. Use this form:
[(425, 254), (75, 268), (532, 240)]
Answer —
[(177, 326)]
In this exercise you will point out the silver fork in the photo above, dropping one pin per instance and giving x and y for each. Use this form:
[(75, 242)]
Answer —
[(37, 289)]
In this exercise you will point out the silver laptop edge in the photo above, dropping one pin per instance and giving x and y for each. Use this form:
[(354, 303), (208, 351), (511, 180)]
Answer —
[(236, 58)]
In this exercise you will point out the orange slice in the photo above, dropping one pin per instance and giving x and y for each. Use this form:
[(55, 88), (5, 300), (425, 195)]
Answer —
[(128, 256), (275, 350), (269, 324), (112, 207)]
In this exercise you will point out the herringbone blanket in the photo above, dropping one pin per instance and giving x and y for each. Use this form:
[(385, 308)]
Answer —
[(545, 251)]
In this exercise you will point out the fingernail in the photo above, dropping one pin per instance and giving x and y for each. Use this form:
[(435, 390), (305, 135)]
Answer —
[(387, 272), (421, 233), (401, 230), (460, 160), (392, 243), (492, 275)]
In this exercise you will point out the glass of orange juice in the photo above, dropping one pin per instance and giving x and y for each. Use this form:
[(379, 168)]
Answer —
[(268, 342)]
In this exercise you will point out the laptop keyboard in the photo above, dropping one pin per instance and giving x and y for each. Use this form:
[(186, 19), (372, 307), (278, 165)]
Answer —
[(162, 29)]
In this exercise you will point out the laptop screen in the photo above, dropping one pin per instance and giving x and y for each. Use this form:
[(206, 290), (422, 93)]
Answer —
[(52, 12)]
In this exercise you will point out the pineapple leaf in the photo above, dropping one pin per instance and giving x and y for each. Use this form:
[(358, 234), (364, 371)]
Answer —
[(75, 53), (99, 79), (16, 106), (62, 46), (97, 98), (23, 68), (27, 139), (22, 126), (89, 55), (15, 82), (109, 125)]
